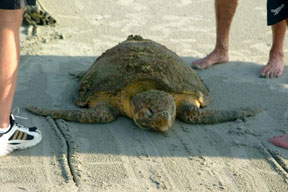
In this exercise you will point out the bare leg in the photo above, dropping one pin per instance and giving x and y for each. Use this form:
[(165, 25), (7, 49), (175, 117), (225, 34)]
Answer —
[(281, 141), (10, 22), (225, 10), (275, 65)]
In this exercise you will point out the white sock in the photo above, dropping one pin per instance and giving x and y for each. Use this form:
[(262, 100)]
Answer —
[(4, 130)]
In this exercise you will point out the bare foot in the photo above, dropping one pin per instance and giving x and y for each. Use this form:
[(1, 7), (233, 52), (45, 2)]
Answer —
[(215, 57), (280, 141), (275, 66)]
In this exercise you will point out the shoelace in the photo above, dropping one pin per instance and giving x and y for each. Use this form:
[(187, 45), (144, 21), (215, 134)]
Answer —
[(15, 113), (21, 126)]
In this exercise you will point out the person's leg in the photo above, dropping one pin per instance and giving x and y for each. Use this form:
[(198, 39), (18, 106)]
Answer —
[(10, 22), (225, 10), (12, 135), (275, 65), (282, 140)]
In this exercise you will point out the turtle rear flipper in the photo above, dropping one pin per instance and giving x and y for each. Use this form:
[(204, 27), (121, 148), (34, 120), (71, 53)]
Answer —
[(191, 114), (101, 113)]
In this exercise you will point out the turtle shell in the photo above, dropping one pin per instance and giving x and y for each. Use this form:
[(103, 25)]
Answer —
[(140, 60)]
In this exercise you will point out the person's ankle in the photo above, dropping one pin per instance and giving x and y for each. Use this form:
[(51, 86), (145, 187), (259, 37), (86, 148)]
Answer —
[(276, 53), (221, 49), (5, 129), (4, 125), (221, 54)]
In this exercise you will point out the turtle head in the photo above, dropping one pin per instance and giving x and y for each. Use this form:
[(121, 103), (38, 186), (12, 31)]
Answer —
[(154, 109)]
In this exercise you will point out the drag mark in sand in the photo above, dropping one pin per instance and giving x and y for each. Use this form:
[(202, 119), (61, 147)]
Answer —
[(275, 160), (63, 128), (68, 170), (279, 160)]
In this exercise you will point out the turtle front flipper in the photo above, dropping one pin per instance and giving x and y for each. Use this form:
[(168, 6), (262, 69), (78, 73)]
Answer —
[(101, 113), (190, 113)]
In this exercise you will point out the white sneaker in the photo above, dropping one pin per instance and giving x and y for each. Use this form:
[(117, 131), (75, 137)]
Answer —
[(18, 137)]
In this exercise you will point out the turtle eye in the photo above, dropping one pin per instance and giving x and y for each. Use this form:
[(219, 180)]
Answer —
[(148, 113)]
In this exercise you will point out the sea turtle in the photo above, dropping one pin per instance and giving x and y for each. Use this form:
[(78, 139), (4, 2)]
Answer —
[(146, 82), (37, 15)]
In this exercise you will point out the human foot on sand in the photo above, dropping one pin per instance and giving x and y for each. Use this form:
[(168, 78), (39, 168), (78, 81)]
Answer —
[(215, 57), (280, 141), (275, 66)]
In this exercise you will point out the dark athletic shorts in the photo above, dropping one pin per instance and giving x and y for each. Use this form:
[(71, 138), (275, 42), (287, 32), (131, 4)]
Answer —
[(15, 4), (277, 10)]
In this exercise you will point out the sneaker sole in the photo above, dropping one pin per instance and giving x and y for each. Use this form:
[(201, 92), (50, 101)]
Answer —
[(23, 146)]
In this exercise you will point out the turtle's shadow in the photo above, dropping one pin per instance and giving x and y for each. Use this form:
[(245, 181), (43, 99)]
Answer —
[(45, 81)]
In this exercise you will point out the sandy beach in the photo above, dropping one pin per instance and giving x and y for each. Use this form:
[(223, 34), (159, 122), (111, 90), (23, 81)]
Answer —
[(120, 157)]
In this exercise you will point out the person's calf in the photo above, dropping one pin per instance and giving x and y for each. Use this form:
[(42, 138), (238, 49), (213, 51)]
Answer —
[(11, 19)]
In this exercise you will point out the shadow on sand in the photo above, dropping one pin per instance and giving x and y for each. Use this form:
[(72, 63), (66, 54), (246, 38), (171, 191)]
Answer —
[(44, 81)]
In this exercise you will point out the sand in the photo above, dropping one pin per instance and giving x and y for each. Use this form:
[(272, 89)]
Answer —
[(233, 156)]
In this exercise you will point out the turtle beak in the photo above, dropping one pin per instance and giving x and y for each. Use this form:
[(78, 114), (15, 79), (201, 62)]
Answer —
[(163, 122)]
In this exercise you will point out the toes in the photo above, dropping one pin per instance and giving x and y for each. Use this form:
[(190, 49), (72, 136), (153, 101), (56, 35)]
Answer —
[(196, 62), (274, 68), (196, 66), (265, 72), (270, 73), (278, 73), (203, 64), (274, 74)]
